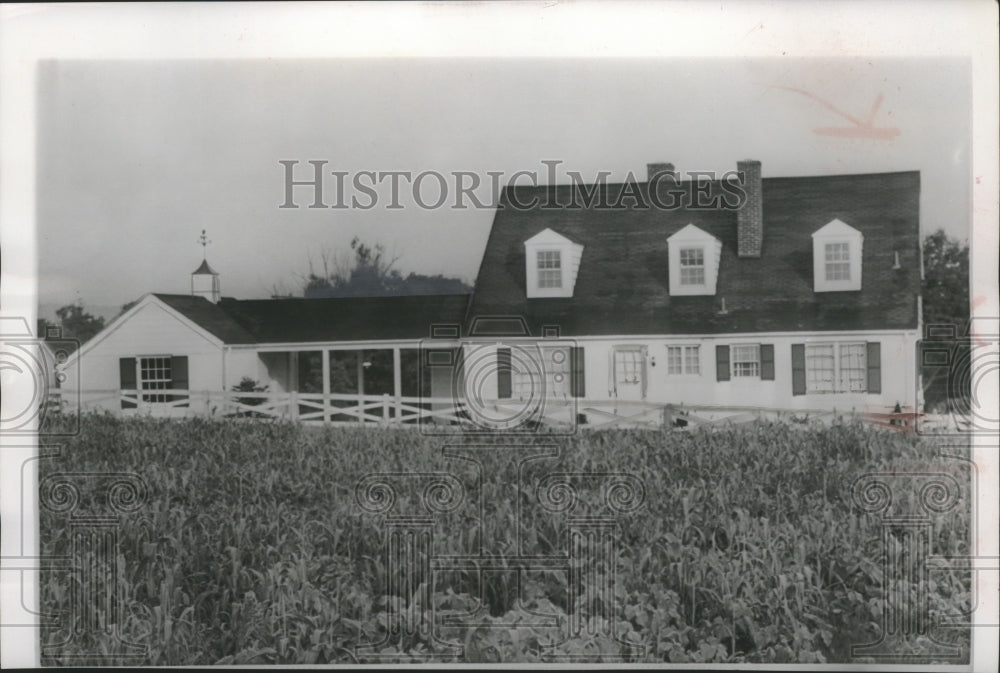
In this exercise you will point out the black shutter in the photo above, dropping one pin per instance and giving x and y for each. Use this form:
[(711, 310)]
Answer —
[(722, 363), (179, 374), (577, 381), (503, 373), (874, 367), (798, 369), (767, 362), (126, 379)]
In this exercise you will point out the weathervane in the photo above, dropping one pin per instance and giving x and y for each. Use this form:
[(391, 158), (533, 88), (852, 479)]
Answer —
[(203, 240)]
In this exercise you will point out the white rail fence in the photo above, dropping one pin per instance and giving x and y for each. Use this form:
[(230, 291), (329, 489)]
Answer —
[(404, 411)]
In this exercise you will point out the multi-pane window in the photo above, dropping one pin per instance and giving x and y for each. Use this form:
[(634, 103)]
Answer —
[(746, 360), (556, 363), (821, 368), (154, 374), (692, 266), (836, 368), (683, 360), (853, 368), (838, 261), (628, 366), (549, 268), (528, 365)]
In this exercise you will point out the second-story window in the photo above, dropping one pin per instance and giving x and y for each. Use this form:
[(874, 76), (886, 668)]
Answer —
[(837, 260), (692, 266), (549, 268)]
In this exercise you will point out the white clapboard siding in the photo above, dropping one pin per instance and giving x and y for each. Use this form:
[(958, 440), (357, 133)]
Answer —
[(151, 330)]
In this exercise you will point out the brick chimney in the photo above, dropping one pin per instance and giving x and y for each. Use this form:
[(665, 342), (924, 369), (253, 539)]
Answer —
[(657, 168), (750, 216)]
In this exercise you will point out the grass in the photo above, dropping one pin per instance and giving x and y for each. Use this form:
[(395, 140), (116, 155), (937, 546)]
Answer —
[(251, 547)]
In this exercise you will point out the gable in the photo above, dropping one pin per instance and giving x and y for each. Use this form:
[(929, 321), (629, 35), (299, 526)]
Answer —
[(148, 328), (551, 265), (693, 263), (837, 254)]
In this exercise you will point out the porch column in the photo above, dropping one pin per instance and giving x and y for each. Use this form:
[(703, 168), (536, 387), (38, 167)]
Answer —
[(326, 386), (293, 371), (397, 381)]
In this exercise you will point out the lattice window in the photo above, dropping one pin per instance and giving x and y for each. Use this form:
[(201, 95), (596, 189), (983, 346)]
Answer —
[(628, 366), (746, 360), (836, 368), (853, 368), (821, 368), (692, 266), (550, 362), (683, 360), (549, 268), (154, 374), (838, 261)]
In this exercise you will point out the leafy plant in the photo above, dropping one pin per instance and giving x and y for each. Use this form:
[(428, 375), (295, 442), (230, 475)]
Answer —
[(251, 548)]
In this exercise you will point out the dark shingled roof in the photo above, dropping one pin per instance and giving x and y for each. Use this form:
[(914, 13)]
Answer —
[(622, 286), (296, 320), (209, 316)]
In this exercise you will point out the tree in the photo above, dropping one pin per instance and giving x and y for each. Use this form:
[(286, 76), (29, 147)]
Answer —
[(945, 298), (371, 274), (78, 324)]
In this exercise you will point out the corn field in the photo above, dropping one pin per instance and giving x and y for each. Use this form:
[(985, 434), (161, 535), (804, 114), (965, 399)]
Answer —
[(250, 547)]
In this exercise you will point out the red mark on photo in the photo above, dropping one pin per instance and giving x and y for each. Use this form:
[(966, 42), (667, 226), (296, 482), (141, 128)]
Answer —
[(863, 128)]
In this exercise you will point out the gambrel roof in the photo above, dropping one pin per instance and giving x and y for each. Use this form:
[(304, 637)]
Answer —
[(623, 288)]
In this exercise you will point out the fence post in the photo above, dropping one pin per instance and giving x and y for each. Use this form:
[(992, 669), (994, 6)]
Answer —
[(668, 415), (385, 408), (326, 386), (293, 405)]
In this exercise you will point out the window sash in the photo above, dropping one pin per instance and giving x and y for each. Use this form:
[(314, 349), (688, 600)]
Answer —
[(549, 268), (683, 360), (154, 374), (853, 367), (745, 360), (692, 266), (628, 366), (836, 368), (554, 365), (837, 261)]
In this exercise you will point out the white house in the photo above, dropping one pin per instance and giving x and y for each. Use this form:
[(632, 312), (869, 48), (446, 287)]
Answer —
[(784, 293)]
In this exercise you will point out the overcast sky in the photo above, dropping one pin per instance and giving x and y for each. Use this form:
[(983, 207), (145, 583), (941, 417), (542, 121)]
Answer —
[(137, 157)]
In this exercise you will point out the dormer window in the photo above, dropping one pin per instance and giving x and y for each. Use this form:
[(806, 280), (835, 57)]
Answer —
[(551, 264), (693, 261), (837, 251), (549, 269), (692, 266)]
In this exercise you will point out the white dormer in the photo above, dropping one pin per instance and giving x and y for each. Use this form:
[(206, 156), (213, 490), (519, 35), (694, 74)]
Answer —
[(837, 258), (693, 261), (551, 263)]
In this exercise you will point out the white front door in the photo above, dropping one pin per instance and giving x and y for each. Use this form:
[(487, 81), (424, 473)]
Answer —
[(629, 372)]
